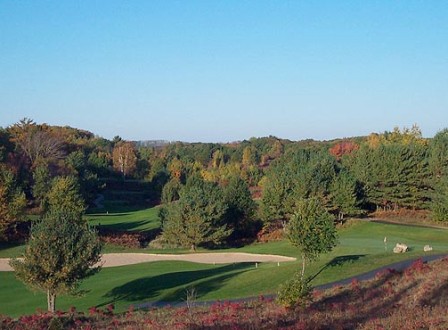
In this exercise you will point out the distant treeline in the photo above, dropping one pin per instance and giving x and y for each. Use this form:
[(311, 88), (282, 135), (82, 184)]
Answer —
[(352, 176)]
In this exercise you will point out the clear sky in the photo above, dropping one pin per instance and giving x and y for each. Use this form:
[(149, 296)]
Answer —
[(218, 71)]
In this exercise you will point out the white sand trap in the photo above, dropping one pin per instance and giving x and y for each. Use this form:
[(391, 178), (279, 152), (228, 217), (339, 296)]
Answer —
[(123, 259)]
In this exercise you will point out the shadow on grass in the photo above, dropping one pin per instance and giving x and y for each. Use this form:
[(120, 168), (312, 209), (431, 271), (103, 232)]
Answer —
[(125, 226), (147, 288), (114, 207), (338, 261), (104, 215), (355, 305), (9, 245)]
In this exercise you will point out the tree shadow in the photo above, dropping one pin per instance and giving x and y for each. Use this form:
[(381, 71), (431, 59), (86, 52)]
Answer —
[(118, 207), (347, 293), (338, 261), (106, 215), (355, 305), (437, 296), (125, 226), (9, 245), (146, 288)]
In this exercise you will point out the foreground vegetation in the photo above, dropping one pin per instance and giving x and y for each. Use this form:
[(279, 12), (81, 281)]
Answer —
[(413, 299)]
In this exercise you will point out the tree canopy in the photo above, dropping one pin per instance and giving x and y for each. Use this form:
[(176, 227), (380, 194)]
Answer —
[(311, 229), (61, 252), (197, 217)]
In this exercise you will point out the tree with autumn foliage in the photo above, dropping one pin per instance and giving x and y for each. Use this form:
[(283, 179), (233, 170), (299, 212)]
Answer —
[(124, 157), (12, 201), (61, 252), (37, 142), (343, 148)]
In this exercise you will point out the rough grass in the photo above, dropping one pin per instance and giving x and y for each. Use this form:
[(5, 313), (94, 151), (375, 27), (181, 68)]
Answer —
[(413, 299)]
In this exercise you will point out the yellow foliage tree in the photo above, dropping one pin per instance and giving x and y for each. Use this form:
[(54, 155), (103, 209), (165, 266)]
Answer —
[(124, 158)]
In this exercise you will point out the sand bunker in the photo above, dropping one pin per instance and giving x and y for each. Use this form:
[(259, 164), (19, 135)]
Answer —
[(123, 259)]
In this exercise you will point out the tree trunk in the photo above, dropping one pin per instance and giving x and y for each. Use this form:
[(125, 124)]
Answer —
[(51, 301), (302, 275)]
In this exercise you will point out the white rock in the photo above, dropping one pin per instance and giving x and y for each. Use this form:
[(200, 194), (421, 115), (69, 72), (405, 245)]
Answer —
[(427, 248), (400, 248)]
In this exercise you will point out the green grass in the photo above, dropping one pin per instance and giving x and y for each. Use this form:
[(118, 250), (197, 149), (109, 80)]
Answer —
[(361, 248), (10, 250), (141, 220)]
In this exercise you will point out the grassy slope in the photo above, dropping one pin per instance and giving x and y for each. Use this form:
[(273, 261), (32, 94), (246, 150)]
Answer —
[(141, 220), (361, 249)]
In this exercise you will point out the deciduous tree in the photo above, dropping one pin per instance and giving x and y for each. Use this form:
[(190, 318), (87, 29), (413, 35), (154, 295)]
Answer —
[(311, 229), (124, 158), (12, 201), (35, 141)]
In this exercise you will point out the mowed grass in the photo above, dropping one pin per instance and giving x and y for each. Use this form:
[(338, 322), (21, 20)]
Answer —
[(133, 221), (361, 248), (141, 220)]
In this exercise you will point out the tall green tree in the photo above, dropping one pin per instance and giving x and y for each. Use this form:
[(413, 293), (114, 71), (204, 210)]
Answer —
[(87, 179), (298, 174), (240, 207), (61, 252), (197, 217), (439, 202), (42, 183), (393, 174), (170, 191), (438, 163), (345, 195)]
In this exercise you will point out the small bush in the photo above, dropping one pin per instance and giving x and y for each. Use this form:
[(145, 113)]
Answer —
[(125, 239), (55, 324), (295, 292)]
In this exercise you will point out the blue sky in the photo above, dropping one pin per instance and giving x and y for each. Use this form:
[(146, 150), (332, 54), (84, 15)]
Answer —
[(221, 71)]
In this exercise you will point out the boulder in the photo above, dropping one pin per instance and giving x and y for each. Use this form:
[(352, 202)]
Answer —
[(427, 248), (400, 248)]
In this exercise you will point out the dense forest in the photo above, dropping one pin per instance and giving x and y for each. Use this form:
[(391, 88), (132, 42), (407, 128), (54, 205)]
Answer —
[(226, 191)]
